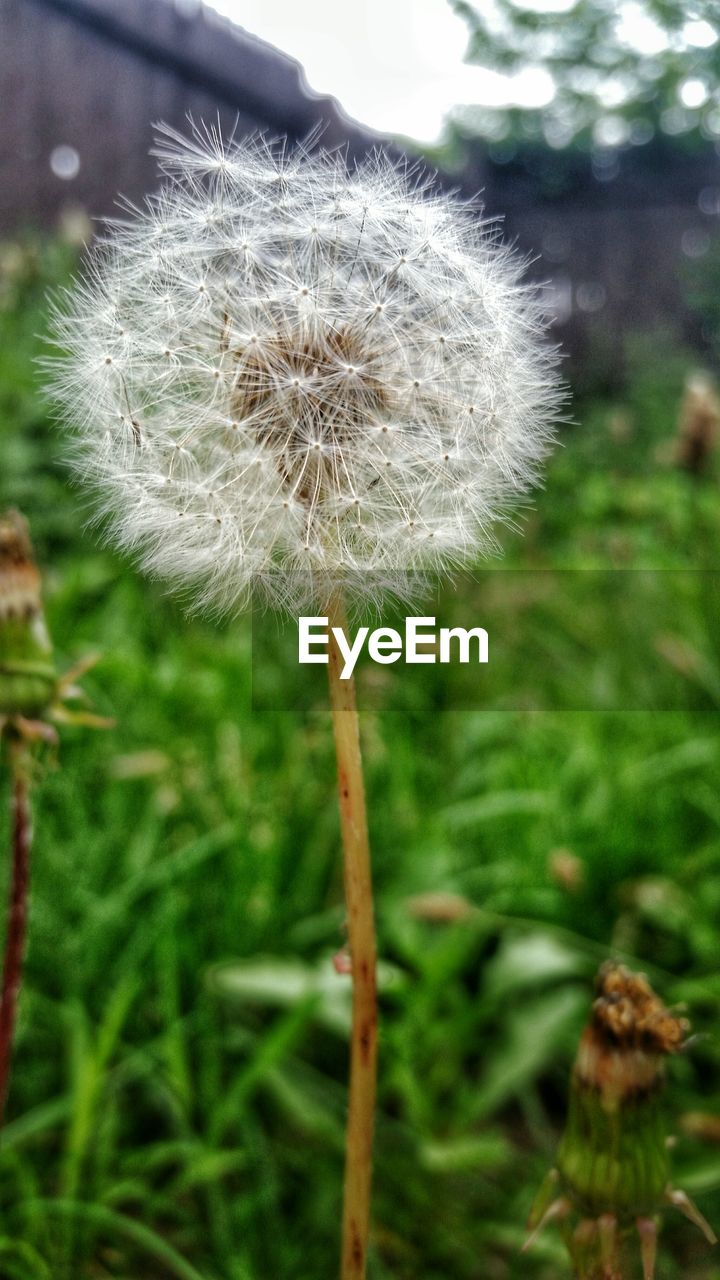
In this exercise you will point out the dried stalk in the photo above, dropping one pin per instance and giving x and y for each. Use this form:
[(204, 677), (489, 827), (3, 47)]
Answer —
[(361, 940)]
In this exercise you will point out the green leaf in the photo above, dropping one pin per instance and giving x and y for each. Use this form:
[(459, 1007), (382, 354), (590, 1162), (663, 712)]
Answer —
[(534, 1034)]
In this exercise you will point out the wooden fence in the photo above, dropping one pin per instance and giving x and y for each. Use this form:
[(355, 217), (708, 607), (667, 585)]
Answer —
[(83, 81)]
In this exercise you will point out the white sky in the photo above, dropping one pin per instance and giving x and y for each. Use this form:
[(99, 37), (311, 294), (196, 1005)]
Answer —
[(397, 65)]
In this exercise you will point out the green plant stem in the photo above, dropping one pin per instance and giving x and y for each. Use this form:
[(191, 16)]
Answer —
[(21, 838), (361, 940)]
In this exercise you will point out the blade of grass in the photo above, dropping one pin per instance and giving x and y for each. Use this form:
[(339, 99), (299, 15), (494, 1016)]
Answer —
[(119, 1225)]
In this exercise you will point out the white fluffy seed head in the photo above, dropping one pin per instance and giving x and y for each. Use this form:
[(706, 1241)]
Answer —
[(284, 378)]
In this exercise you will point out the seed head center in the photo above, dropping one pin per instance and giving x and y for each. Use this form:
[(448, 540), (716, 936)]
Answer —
[(312, 399)]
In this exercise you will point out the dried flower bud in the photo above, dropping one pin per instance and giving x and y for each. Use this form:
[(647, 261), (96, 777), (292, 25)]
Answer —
[(27, 673), (698, 424), (566, 869), (32, 694), (613, 1175)]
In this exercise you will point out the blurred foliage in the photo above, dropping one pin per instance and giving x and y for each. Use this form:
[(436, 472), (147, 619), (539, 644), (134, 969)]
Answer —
[(702, 292), (178, 1095), (615, 73)]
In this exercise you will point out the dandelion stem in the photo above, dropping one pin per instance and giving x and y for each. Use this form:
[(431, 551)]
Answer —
[(361, 938), (17, 913)]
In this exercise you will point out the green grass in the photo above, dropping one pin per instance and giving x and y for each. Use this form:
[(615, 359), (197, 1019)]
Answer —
[(177, 1099)]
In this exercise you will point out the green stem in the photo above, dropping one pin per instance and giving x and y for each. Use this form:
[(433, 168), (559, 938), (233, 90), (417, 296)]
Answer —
[(17, 914)]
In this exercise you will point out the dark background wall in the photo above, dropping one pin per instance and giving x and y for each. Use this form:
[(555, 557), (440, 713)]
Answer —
[(619, 235), (94, 75)]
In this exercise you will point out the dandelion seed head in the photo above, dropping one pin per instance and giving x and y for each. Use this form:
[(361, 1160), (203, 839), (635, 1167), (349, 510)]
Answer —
[(335, 380)]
